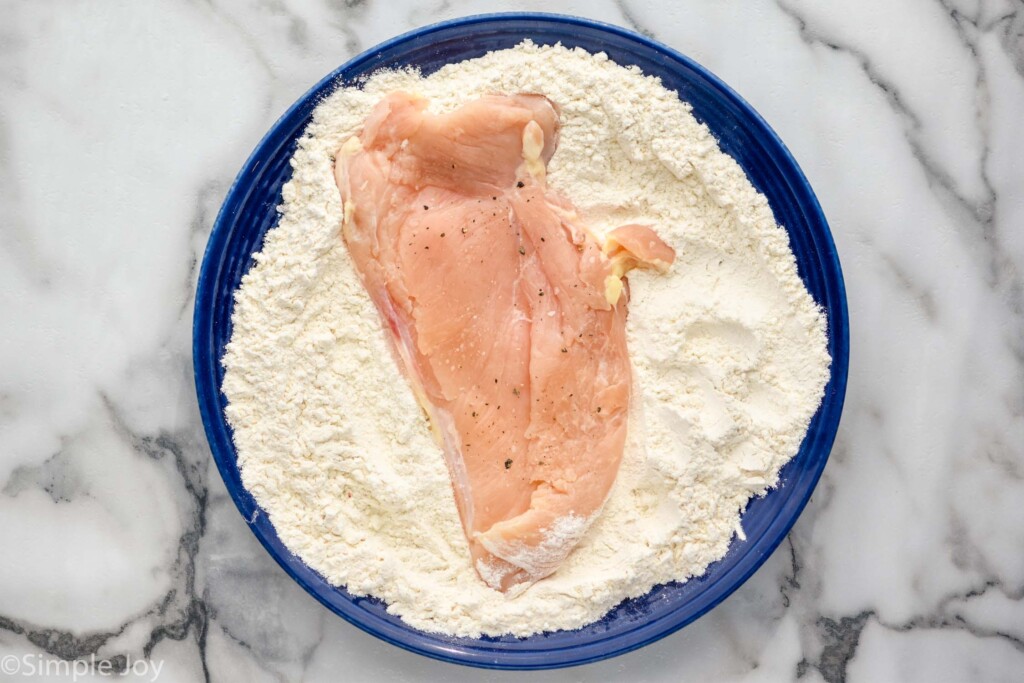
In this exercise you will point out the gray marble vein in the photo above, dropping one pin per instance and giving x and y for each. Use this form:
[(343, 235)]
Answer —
[(121, 128), (630, 20)]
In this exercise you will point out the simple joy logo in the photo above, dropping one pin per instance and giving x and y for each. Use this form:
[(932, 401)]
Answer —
[(30, 665)]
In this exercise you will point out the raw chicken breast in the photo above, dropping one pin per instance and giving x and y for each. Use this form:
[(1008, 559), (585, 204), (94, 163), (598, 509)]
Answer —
[(506, 314)]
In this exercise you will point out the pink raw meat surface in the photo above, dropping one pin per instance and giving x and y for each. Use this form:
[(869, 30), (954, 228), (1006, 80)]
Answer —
[(505, 312)]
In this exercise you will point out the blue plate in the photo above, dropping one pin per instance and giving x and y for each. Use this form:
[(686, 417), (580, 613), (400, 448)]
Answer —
[(249, 211)]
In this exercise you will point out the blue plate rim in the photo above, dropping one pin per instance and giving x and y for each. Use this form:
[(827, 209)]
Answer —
[(208, 390)]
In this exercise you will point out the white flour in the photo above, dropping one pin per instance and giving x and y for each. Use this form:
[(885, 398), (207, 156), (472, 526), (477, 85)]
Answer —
[(728, 350)]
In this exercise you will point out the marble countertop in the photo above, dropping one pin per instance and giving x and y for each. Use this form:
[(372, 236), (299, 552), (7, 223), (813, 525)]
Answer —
[(121, 127)]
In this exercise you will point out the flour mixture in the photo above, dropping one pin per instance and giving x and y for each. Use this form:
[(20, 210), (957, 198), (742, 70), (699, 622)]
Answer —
[(728, 350)]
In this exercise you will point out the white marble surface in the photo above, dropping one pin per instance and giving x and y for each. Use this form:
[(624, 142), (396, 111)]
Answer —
[(121, 127)]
